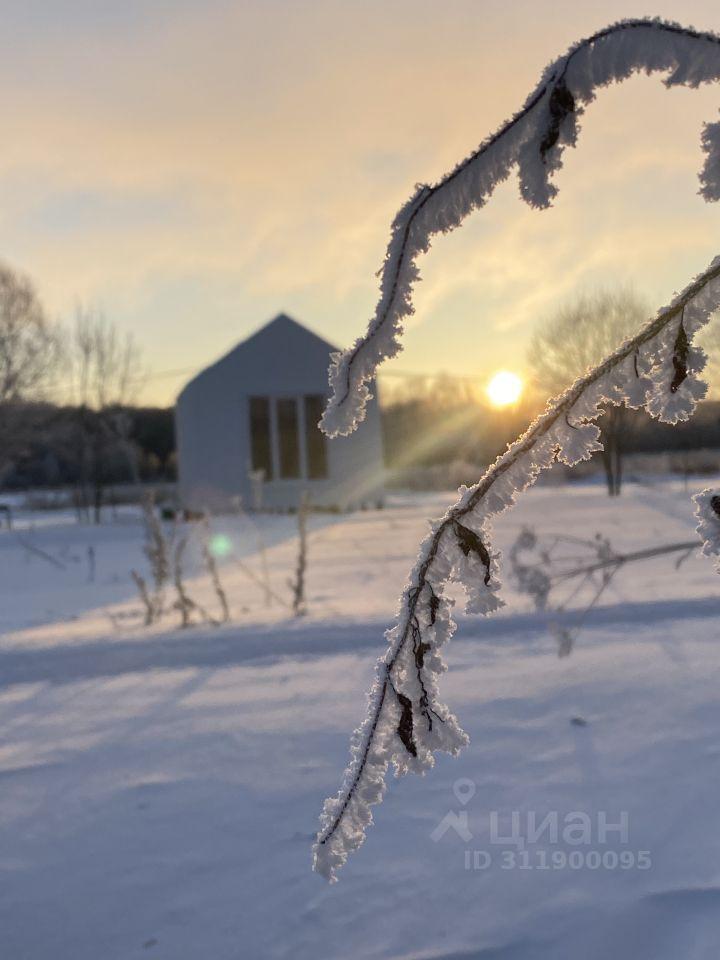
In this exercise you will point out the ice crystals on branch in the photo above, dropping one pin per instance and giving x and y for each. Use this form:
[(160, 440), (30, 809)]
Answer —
[(407, 722), (707, 511), (533, 141), (658, 369)]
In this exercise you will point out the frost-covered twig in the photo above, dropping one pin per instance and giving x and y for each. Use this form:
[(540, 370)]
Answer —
[(184, 602), (537, 578), (43, 554), (658, 370), (141, 584), (540, 577), (157, 551), (707, 511), (619, 559), (263, 583), (298, 583), (533, 140), (261, 549), (212, 569)]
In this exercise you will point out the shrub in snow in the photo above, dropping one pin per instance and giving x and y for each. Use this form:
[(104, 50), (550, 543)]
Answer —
[(184, 603), (157, 551), (657, 369), (297, 583), (538, 570)]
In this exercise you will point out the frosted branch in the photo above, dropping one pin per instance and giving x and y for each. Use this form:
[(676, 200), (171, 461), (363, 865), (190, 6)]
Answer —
[(707, 511), (406, 721), (533, 140)]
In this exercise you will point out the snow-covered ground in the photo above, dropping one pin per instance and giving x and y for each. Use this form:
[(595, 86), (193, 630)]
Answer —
[(159, 788)]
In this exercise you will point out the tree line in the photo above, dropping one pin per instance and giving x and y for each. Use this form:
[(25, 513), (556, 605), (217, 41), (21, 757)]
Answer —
[(68, 415), (448, 422)]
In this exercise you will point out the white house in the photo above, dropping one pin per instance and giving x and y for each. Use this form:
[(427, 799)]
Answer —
[(247, 426)]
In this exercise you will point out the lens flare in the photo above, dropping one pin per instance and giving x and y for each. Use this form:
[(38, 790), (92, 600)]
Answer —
[(504, 389), (220, 545)]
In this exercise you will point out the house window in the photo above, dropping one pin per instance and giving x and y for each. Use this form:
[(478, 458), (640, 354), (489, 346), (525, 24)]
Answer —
[(289, 441), (282, 445), (260, 435), (315, 440)]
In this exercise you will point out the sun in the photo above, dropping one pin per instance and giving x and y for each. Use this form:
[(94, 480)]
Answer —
[(504, 389)]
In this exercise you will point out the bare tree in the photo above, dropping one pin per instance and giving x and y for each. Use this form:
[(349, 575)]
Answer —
[(576, 338), (28, 341), (29, 349), (106, 371)]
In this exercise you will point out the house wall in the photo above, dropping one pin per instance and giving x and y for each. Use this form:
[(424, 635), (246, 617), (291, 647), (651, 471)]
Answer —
[(212, 418)]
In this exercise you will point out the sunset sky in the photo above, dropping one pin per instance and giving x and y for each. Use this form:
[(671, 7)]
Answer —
[(194, 168)]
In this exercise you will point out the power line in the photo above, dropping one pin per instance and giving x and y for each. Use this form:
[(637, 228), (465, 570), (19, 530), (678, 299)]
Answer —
[(67, 391), (404, 374)]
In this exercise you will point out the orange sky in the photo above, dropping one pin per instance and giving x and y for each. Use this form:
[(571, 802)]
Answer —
[(196, 167)]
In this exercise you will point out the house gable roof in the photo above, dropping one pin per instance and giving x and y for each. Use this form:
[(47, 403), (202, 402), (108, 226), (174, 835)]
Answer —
[(281, 328)]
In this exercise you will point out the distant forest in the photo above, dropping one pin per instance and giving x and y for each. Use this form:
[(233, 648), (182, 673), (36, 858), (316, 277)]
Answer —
[(476, 434), (47, 451), (418, 432)]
